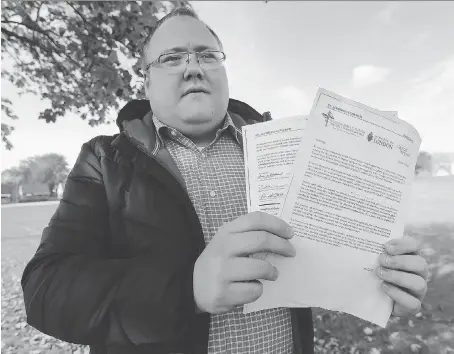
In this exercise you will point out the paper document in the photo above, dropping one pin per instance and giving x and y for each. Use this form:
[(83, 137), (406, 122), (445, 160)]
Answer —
[(269, 153), (270, 149), (351, 180)]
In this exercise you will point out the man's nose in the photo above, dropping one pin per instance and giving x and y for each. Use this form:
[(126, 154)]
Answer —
[(193, 68)]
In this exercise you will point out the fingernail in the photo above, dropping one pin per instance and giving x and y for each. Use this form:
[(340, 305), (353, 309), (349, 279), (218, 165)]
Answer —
[(291, 232), (381, 272), (378, 271), (294, 251), (389, 248), (276, 273), (385, 259)]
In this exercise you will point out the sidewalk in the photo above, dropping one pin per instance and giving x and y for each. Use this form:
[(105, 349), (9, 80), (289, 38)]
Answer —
[(21, 205)]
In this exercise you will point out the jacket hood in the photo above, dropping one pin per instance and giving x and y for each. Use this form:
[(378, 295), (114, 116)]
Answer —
[(137, 109)]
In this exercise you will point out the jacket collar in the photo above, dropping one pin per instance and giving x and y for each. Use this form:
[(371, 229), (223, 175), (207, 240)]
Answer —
[(139, 127), (135, 121)]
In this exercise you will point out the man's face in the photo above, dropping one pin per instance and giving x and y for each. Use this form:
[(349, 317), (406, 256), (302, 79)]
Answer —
[(192, 114)]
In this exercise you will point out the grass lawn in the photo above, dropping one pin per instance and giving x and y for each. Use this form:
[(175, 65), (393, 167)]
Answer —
[(430, 219)]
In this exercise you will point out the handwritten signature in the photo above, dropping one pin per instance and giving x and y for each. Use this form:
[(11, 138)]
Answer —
[(267, 187), (269, 175), (271, 195)]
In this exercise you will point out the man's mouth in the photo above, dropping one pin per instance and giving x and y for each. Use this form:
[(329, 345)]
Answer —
[(194, 91)]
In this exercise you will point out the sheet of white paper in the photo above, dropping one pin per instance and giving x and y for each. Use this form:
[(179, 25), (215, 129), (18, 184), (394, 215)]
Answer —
[(346, 199), (269, 152), (390, 114), (284, 135)]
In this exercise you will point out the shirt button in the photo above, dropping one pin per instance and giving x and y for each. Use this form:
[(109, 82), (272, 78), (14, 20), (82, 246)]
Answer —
[(172, 132), (204, 155), (213, 193)]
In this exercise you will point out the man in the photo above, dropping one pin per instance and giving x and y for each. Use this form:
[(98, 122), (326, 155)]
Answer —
[(148, 251)]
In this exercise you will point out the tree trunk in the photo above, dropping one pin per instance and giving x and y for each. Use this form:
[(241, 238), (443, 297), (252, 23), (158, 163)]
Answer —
[(51, 189)]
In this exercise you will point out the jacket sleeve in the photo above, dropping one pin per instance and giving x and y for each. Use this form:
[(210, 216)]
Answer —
[(72, 289)]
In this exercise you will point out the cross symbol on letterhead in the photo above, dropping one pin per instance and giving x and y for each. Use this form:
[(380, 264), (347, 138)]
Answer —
[(327, 117)]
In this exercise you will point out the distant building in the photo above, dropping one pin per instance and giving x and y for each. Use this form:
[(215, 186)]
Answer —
[(446, 169), (34, 192), (9, 193), (7, 189), (30, 192), (443, 164)]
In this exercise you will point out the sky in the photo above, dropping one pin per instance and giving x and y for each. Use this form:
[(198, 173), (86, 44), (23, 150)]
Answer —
[(393, 56)]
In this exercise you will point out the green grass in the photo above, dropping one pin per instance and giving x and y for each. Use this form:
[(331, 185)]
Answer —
[(430, 219)]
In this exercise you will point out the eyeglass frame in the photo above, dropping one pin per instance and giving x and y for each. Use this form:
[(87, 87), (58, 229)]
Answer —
[(188, 59)]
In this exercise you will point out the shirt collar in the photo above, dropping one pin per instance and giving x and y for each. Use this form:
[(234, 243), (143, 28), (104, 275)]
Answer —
[(163, 129)]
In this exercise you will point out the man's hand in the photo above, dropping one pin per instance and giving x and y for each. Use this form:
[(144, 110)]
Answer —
[(224, 274), (405, 275)]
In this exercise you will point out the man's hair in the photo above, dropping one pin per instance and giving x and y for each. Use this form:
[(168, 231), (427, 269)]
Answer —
[(179, 11)]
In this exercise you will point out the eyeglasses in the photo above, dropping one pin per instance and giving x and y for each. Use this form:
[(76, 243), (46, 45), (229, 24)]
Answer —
[(179, 61)]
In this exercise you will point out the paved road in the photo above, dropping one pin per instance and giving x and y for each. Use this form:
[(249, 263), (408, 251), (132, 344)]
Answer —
[(22, 226), (27, 205), (26, 219)]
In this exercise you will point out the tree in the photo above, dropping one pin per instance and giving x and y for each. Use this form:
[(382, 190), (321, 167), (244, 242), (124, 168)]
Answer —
[(423, 163), (6, 128), (69, 53), (50, 169), (12, 176)]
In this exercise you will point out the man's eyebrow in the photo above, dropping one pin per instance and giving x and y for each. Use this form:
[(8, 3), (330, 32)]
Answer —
[(197, 48)]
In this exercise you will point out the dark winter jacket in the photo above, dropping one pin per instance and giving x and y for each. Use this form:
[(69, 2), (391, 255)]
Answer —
[(114, 267)]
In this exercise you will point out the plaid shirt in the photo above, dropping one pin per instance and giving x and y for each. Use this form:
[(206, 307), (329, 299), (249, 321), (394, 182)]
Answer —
[(215, 181)]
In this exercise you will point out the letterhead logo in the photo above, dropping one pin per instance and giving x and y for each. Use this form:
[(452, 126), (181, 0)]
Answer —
[(328, 116), (376, 139)]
